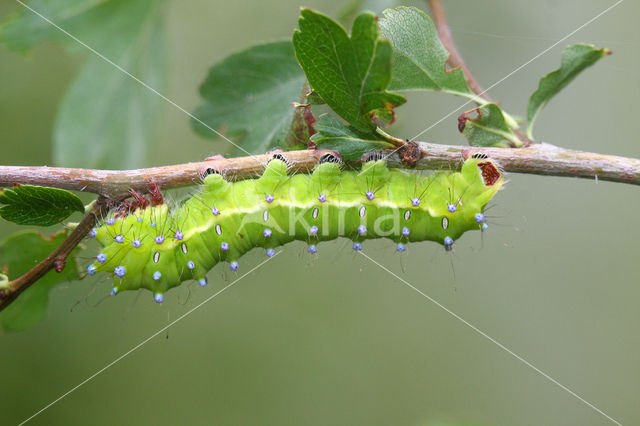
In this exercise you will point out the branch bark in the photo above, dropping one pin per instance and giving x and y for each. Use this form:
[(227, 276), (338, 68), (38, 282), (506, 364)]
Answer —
[(539, 159), (113, 185)]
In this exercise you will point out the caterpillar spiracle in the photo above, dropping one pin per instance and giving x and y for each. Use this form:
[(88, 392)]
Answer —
[(157, 248)]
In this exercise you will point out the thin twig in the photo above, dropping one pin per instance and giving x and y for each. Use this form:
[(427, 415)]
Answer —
[(112, 186), (116, 183), (455, 58), (57, 257), (540, 159)]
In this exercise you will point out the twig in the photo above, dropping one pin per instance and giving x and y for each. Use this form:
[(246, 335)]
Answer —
[(455, 58), (114, 185), (57, 257), (540, 159), (118, 183)]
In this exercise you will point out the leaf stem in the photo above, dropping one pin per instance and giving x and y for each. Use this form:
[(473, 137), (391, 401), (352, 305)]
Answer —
[(391, 139)]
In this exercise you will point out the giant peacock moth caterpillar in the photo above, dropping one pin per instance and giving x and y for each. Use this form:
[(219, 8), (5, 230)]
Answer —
[(157, 248)]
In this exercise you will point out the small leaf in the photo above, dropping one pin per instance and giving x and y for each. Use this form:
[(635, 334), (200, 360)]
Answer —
[(106, 118), (18, 254), (350, 74), (348, 141), (249, 94), (419, 58), (38, 205), (575, 59), (488, 128)]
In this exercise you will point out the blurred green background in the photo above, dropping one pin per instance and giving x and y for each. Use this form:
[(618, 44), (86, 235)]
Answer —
[(335, 339)]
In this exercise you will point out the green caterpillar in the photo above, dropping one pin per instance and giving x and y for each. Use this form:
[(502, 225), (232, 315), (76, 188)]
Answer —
[(157, 248)]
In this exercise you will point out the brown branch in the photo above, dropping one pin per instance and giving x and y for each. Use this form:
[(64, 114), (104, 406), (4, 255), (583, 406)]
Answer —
[(57, 257), (455, 58), (118, 183), (114, 185), (540, 159)]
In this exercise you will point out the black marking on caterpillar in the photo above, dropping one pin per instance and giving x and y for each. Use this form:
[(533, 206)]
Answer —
[(372, 156), (279, 156), (210, 171), (157, 248), (479, 155), (330, 158)]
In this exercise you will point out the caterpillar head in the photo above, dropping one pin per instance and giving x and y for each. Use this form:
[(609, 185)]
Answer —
[(481, 170)]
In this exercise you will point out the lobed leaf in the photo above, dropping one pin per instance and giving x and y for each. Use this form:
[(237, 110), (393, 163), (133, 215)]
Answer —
[(249, 95), (350, 74), (18, 254), (487, 128), (38, 205), (575, 59), (419, 58), (348, 141)]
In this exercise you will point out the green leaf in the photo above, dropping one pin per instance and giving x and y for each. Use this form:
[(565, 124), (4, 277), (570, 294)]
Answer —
[(248, 95), (38, 205), (106, 118), (18, 254), (350, 74), (348, 141), (575, 59), (25, 29), (487, 128), (419, 58)]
